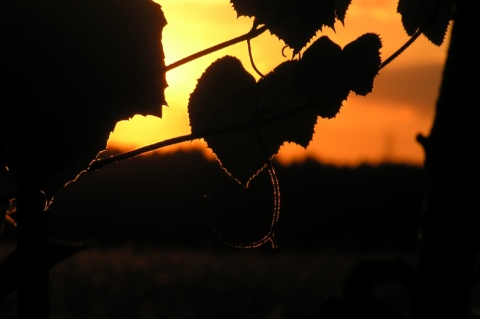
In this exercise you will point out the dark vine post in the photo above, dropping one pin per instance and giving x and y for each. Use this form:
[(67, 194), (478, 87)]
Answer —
[(68, 77)]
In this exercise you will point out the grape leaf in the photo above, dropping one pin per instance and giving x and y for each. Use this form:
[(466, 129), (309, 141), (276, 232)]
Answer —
[(295, 22), (341, 7), (277, 96), (327, 74), (363, 59), (434, 15), (227, 96), (223, 98), (321, 74), (70, 71), (251, 120)]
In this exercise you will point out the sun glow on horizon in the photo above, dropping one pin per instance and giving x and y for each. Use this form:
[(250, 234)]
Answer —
[(365, 130)]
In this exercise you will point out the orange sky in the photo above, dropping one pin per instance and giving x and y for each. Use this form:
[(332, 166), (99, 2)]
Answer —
[(379, 126)]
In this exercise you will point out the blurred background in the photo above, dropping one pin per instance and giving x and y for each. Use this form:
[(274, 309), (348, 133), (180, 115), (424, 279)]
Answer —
[(160, 231)]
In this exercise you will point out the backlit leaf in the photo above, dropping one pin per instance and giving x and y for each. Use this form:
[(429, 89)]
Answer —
[(433, 15), (327, 74), (363, 59), (70, 71), (295, 22), (221, 99), (322, 75), (341, 7), (223, 85), (269, 111), (277, 96), (245, 122)]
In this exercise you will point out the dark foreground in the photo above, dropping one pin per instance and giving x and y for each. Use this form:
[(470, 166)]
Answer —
[(156, 221), (146, 282)]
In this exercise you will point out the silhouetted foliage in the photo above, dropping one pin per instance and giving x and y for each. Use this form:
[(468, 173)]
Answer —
[(70, 71)]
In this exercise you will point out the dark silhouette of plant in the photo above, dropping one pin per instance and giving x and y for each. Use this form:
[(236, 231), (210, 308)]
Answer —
[(70, 71), (73, 69)]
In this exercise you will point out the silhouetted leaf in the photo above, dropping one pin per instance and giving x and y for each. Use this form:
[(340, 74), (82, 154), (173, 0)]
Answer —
[(327, 74), (363, 59), (223, 99), (341, 7), (224, 84), (435, 15), (295, 22), (277, 97), (70, 71), (20, 267), (322, 75), (259, 117)]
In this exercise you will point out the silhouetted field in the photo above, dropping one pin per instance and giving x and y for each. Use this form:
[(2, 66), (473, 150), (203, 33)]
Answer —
[(181, 199), (143, 282), (155, 221), (148, 282)]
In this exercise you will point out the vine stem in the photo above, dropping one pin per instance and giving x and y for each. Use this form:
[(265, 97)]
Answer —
[(411, 40), (255, 32), (401, 49), (101, 162)]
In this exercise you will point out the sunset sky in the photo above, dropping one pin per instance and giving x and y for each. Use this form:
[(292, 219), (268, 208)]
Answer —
[(380, 126)]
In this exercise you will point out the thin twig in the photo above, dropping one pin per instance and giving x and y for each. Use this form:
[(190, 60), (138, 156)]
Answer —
[(401, 49), (411, 40), (247, 36), (99, 163)]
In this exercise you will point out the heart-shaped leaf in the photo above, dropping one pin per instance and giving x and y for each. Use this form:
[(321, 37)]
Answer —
[(245, 122), (256, 118)]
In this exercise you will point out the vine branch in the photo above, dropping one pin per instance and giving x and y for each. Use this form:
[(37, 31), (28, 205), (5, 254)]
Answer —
[(247, 36), (401, 49)]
